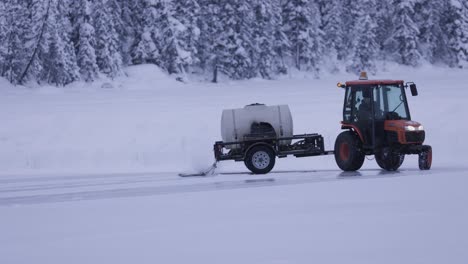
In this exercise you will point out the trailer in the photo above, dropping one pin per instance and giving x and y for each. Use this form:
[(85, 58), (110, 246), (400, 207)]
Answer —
[(259, 151), (376, 120)]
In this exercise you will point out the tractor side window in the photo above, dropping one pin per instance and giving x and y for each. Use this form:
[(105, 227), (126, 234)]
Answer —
[(347, 106), (358, 98), (379, 105)]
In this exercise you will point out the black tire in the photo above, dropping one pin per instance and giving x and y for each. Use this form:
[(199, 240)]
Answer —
[(425, 158), (348, 153), (388, 160), (260, 159)]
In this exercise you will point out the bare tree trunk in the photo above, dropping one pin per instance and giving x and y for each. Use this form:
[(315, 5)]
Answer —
[(215, 72)]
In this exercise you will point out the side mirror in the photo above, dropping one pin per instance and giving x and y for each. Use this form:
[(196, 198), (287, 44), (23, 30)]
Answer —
[(414, 90)]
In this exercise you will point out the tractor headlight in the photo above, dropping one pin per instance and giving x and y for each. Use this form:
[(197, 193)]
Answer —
[(412, 128)]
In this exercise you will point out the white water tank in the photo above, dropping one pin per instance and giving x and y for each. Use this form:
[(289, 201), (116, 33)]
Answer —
[(236, 123)]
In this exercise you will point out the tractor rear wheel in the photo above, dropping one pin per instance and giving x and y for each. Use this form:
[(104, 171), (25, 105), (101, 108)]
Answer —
[(348, 153), (389, 160), (260, 159), (425, 158)]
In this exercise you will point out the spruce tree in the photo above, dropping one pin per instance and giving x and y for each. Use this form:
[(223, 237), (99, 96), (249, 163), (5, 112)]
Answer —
[(130, 17), (187, 17), (301, 22), (281, 44), (332, 27), (3, 35), (365, 46), (239, 20), (433, 37), (349, 18), (14, 48), (462, 51), (209, 46), (316, 45), (265, 26), (145, 49), (406, 33), (61, 62), (83, 38), (108, 57), (36, 39), (86, 53), (385, 24), (166, 35), (456, 25), (227, 33)]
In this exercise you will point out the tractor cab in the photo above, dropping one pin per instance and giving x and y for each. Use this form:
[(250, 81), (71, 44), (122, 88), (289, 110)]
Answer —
[(377, 117)]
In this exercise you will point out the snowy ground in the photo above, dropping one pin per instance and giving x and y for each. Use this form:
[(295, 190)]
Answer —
[(89, 175)]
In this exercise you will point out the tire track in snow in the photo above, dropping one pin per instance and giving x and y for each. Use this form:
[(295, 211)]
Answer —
[(289, 179)]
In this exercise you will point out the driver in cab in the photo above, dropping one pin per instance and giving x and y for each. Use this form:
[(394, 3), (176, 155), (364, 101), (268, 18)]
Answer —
[(365, 108)]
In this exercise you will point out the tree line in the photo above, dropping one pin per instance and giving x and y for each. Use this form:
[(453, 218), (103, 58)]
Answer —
[(62, 41)]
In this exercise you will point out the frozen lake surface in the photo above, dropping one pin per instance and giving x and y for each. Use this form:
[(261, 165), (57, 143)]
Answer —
[(89, 175)]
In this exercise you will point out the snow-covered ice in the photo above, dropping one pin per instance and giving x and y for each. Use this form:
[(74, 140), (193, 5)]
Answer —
[(89, 175)]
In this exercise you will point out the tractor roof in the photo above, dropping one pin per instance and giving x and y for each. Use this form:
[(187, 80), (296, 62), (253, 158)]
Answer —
[(373, 82)]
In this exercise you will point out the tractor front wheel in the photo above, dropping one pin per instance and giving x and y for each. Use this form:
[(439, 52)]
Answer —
[(425, 158), (348, 153), (389, 160)]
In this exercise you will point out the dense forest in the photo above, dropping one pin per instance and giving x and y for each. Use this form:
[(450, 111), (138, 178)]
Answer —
[(62, 41)]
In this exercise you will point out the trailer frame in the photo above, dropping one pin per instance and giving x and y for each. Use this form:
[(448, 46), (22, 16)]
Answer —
[(305, 145)]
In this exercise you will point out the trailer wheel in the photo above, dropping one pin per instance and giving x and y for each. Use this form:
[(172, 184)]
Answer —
[(260, 160), (388, 160), (425, 158), (348, 154)]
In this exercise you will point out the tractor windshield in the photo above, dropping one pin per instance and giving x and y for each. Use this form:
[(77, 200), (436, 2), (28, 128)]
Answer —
[(390, 102)]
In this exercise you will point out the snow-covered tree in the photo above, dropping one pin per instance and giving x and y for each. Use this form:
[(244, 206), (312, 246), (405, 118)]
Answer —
[(168, 32), (385, 24), (14, 48), (61, 60), (316, 48), (83, 38), (365, 46), (86, 53), (226, 38), (462, 33), (456, 26), (301, 22), (350, 13), (281, 44), (406, 33), (267, 22), (145, 49), (3, 35), (238, 21), (130, 17), (36, 39), (108, 57), (209, 46), (186, 21), (433, 37), (333, 28)]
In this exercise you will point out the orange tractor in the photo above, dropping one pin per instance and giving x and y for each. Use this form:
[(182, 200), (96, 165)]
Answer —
[(378, 122)]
